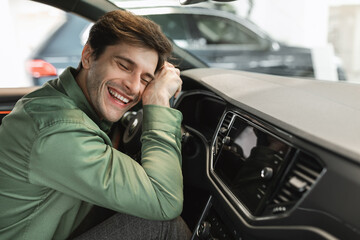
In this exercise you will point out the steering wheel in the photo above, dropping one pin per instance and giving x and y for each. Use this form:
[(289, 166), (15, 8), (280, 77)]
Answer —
[(132, 133)]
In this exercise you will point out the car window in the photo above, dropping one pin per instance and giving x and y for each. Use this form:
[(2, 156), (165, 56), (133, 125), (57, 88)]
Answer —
[(42, 41), (311, 39), (216, 30), (68, 38), (61, 49), (25, 27), (173, 25)]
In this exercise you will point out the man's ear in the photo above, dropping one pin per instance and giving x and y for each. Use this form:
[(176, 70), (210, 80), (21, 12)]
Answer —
[(86, 56)]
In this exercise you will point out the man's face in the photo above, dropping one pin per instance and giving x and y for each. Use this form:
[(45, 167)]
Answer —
[(116, 80)]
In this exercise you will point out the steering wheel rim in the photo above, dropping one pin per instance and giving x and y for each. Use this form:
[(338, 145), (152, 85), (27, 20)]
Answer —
[(131, 137)]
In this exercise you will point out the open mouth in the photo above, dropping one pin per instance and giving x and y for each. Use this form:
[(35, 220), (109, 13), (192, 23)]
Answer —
[(118, 97)]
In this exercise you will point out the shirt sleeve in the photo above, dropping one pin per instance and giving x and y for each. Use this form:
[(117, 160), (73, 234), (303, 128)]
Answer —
[(76, 160)]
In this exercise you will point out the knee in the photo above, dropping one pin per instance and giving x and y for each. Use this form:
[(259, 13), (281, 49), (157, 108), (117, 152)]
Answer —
[(178, 229)]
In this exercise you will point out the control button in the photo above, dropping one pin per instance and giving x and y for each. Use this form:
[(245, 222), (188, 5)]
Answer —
[(279, 209), (278, 157), (223, 130), (258, 196), (261, 191), (204, 230), (298, 184), (266, 173), (226, 140), (185, 137)]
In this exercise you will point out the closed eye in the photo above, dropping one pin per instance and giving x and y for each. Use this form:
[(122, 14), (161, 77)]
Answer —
[(129, 66), (147, 78), (123, 66), (146, 81)]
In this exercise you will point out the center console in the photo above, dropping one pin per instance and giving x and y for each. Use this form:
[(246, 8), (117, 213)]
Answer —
[(258, 175)]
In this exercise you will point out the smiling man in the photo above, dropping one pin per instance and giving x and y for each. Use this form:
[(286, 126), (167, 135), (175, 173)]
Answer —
[(57, 160)]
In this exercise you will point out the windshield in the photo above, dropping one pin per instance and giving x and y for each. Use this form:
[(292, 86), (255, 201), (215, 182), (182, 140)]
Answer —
[(289, 38), (303, 39)]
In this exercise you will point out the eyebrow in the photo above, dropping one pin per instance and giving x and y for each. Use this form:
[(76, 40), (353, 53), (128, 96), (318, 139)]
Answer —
[(131, 62)]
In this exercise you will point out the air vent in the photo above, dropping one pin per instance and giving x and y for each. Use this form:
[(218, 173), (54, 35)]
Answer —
[(299, 180), (223, 131), (226, 123)]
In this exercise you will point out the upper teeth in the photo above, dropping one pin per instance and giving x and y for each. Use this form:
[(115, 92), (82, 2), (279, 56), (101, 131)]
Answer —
[(118, 96)]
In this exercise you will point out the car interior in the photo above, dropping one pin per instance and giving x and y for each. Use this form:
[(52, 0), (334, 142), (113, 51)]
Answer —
[(264, 156)]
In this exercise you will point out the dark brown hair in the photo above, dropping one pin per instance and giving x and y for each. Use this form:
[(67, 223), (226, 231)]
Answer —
[(124, 27)]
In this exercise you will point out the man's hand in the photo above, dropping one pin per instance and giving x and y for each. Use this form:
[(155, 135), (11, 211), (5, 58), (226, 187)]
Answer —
[(166, 84)]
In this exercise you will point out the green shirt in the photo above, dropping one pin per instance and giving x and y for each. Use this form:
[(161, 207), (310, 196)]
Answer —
[(56, 161)]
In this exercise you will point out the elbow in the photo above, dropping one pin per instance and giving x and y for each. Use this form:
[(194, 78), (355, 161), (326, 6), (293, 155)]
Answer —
[(173, 210), (170, 216), (177, 210)]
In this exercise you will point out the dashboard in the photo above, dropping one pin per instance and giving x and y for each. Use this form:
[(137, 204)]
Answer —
[(267, 177)]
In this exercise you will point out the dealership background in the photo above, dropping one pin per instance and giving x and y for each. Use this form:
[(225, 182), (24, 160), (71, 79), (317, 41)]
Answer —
[(328, 27)]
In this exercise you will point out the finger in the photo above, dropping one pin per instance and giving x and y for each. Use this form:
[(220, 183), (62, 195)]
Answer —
[(179, 88), (177, 71), (177, 92), (168, 64)]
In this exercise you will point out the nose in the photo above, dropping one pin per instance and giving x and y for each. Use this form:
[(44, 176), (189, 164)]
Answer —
[(133, 83)]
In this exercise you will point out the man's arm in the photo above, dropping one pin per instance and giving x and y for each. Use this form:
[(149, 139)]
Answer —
[(79, 162)]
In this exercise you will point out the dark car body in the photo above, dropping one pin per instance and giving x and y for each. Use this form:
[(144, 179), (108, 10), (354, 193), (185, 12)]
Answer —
[(263, 156), (224, 40)]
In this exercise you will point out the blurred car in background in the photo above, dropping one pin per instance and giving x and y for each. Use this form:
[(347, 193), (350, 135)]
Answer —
[(224, 40), (220, 39)]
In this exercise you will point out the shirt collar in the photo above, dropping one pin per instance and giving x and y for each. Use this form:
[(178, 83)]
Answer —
[(72, 89)]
